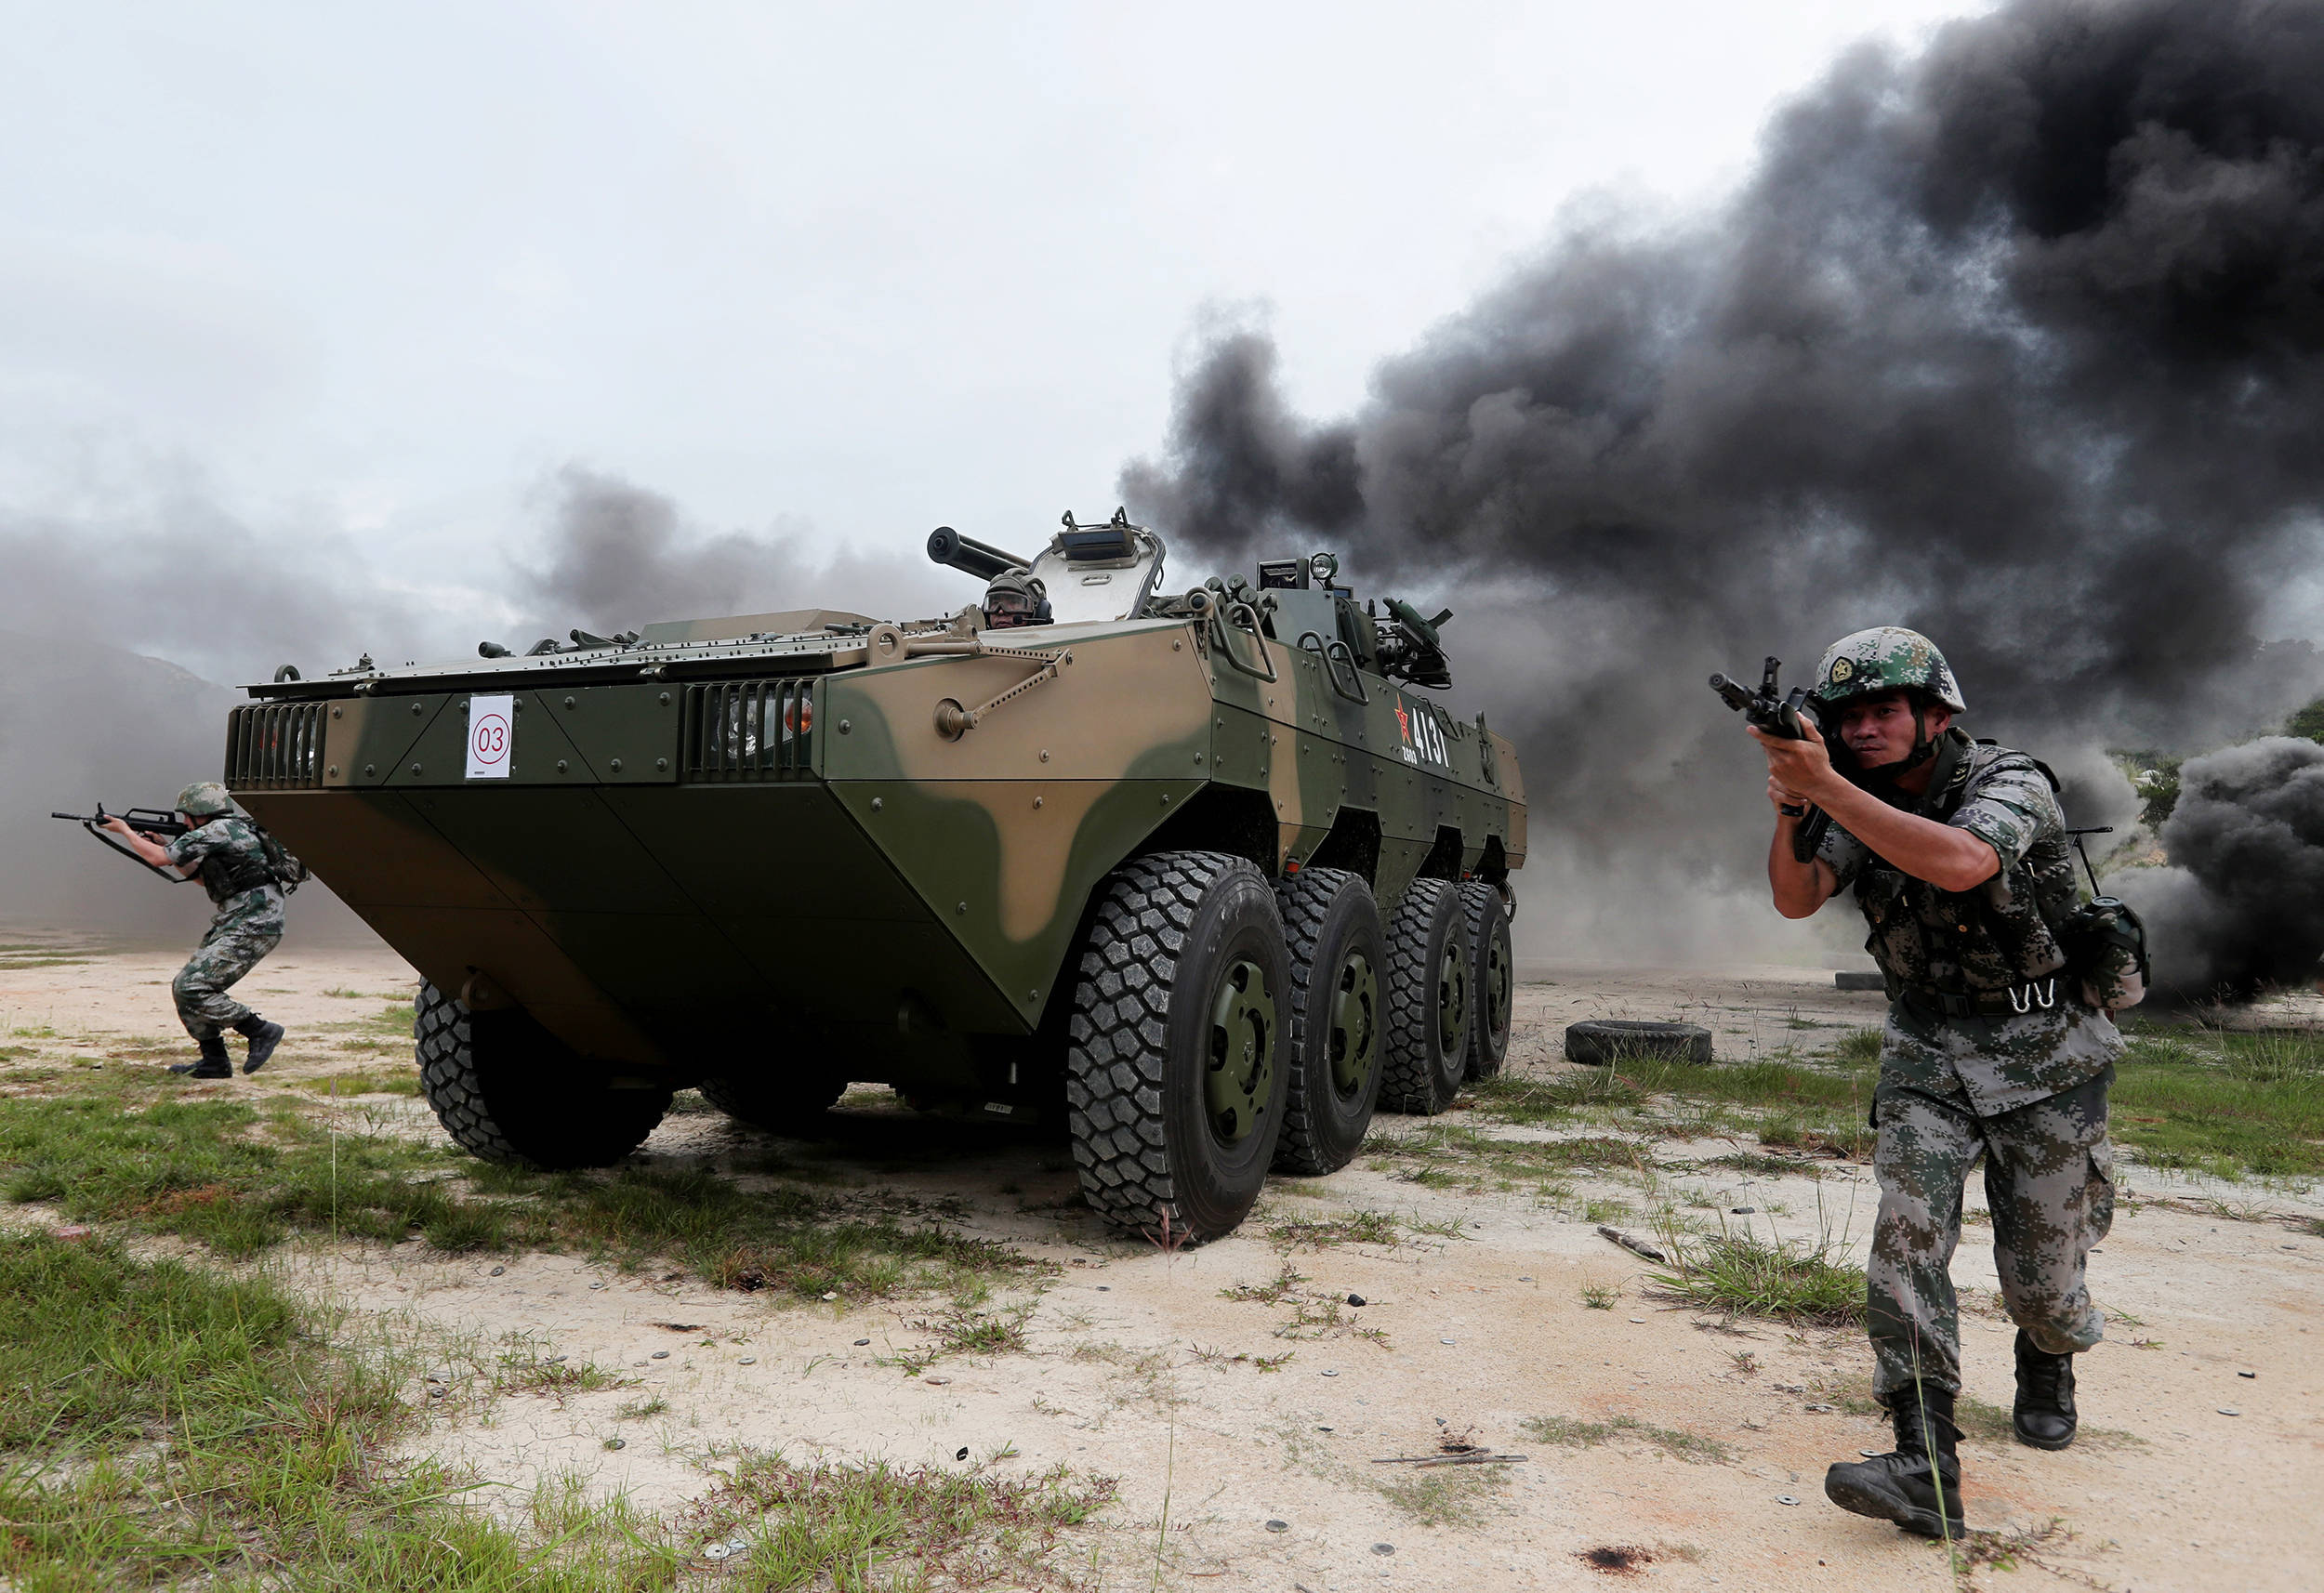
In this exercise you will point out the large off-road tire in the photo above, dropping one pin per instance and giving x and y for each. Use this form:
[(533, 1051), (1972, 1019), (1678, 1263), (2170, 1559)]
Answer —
[(1430, 1000), (507, 1091), (1494, 982), (1174, 1073), (793, 1104), (1338, 1028)]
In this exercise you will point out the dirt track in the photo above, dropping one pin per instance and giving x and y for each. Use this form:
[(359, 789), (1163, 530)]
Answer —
[(1133, 1365)]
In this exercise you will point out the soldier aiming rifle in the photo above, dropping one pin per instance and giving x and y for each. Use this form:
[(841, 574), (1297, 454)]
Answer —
[(1998, 1042), (247, 873)]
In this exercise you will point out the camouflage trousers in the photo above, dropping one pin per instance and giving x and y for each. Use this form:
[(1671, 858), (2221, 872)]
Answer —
[(2049, 1180), (233, 947)]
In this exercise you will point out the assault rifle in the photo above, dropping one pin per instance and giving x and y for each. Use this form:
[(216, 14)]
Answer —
[(1786, 715), (159, 822)]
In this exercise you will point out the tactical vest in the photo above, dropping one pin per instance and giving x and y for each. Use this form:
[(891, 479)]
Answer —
[(1979, 942), (245, 868)]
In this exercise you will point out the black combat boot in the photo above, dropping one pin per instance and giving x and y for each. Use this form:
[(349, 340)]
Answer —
[(212, 1064), (264, 1036), (2043, 1414), (1917, 1486)]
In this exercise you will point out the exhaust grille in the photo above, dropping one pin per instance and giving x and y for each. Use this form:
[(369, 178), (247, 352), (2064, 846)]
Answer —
[(274, 746), (750, 729)]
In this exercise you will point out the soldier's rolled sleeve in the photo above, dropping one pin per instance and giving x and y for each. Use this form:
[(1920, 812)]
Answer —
[(2007, 811), (194, 846), (1844, 854)]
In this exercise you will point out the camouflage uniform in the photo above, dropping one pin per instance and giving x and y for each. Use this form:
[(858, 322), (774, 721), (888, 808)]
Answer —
[(248, 926), (1986, 1051)]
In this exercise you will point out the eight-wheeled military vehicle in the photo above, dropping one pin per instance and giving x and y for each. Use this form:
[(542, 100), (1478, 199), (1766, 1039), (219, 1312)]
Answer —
[(1206, 874)]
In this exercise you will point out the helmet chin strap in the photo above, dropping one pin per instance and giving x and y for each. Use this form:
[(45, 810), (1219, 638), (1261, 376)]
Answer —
[(1887, 774)]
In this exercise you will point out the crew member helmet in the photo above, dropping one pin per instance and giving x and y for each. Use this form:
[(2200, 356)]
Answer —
[(1016, 597), (1886, 658), (205, 799)]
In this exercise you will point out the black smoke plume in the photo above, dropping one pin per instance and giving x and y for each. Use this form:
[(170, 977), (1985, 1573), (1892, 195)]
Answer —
[(2019, 340), (2247, 848)]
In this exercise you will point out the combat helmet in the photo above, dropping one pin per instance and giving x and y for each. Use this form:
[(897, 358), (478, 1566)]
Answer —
[(1886, 658), (1016, 597), (205, 799)]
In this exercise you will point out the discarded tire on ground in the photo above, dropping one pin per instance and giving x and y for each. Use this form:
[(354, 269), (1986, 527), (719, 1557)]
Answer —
[(507, 1091), (1602, 1042)]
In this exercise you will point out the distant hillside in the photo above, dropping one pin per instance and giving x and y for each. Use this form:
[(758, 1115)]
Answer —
[(80, 723)]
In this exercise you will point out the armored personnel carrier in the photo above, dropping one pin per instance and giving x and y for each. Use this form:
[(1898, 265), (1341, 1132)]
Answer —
[(1206, 875)]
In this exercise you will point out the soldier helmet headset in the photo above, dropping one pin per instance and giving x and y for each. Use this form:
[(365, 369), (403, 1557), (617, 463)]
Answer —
[(205, 799), (1886, 658), (1014, 599)]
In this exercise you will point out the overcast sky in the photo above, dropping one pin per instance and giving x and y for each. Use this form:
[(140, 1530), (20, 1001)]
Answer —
[(852, 269)]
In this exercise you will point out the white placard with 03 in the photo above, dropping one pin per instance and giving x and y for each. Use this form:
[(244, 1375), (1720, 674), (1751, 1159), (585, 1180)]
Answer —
[(492, 736)]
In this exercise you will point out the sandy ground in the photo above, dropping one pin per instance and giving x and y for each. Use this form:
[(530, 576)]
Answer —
[(2201, 1459)]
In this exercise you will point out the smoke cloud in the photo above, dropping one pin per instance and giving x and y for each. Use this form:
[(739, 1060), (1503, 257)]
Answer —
[(2246, 892), (90, 712), (2015, 340)]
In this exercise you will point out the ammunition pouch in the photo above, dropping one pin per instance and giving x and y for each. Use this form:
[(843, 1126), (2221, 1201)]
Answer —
[(2106, 948)]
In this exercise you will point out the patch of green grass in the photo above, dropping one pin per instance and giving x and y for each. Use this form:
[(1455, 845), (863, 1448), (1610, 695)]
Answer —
[(1858, 1045), (1273, 1292), (964, 1330), (1337, 1228), (638, 1410), (875, 1526), (168, 1427), (1791, 1279), (1441, 1496), (2232, 1105), (214, 1170), (397, 1080), (1599, 1296), (1672, 1442), (791, 1241)]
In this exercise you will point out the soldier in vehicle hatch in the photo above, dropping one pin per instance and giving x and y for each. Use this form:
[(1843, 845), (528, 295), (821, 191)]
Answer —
[(246, 876), (1997, 1043)]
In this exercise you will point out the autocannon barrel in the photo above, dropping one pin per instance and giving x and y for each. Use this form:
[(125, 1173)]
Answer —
[(981, 559)]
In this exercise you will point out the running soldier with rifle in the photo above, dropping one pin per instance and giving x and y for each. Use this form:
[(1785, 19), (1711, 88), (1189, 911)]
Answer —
[(1998, 1041), (247, 875)]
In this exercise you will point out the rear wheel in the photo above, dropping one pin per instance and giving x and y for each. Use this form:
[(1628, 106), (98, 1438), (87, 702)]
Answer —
[(1331, 928), (507, 1091), (1429, 1000), (1495, 979), (791, 1104), (1175, 1076)]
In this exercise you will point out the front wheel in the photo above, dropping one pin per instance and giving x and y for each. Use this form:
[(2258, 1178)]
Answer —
[(1430, 1000), (507, 1091), (1175, 1076)]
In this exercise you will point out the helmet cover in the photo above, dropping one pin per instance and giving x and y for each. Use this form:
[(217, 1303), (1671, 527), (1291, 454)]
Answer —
[(1886, 658), (205, 799)]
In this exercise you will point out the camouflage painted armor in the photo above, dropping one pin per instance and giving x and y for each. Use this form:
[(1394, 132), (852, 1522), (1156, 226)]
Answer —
[(248, 922), (1958, 964), (2048, 1183)]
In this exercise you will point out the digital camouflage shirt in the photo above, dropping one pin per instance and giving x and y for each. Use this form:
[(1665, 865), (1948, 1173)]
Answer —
[(233, 869), (1982, 941)]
